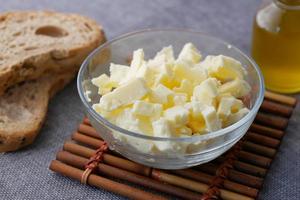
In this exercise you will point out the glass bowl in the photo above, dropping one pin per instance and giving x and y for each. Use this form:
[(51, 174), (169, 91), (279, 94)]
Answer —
[(135, 146)]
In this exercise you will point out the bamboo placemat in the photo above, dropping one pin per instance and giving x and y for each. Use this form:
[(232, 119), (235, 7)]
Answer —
[(238, 174)]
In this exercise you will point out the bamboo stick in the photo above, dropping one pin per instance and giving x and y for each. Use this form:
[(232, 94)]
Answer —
[(125, 164), (109, 159), (206, 178), (281, 98), (261, 139), (194, 186), (271, 120), (95, 143), (88, 130), (244, 167), (86, 121), (108, 170), (259, 149), (267, 131), (276, 108), (233, 175), (104, 183), (254, 159)]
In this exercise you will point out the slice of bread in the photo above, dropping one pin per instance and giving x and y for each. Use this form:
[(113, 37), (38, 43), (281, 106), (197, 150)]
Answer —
[(23, 109), (33, 43)]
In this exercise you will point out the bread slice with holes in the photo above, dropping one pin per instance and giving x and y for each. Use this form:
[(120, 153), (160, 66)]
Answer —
[(33, 43), (23, 109)]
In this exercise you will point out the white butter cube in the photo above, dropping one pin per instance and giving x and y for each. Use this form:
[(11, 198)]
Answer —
[(189, 53), (237, 88), (207, 91), (124, 95), (177, 115), (147, 109), (186, 86), (137, 59), (128, 120), (224, 108), (118, 73), (212, 122), (163, 128), (164, 76), (180, 99), (141, 145), (223, 68), (161, 94), (184, 131), (146, 73), (235, 117), (167, 54), (103, 83), (196, 75)]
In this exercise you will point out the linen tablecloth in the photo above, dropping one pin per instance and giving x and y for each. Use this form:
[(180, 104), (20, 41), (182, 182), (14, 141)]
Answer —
[(25, 174)]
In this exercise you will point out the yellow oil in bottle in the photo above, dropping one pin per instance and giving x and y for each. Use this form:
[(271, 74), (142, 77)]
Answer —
[(276, 45)]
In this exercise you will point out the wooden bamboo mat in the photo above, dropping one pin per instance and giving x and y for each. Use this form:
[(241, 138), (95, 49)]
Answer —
[(237, 174)]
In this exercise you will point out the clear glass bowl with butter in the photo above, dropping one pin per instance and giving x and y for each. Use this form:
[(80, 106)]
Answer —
[(161, 150)]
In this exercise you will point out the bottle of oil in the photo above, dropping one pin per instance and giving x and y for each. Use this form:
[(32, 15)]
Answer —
[(276, 44)]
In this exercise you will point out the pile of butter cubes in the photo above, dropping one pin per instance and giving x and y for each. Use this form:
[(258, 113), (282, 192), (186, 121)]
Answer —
[(168, 97)]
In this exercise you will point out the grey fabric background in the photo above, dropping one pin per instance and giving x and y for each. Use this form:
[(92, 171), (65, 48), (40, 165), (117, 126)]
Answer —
[(25, 174)]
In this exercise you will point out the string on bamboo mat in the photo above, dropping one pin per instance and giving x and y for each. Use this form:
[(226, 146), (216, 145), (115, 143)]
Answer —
[(93, 162), (213, 191)]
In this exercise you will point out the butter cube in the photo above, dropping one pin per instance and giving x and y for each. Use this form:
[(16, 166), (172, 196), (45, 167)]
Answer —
[(207, 91), (179, 99), (163, 128), (189, 53), (196, 122), (103, 83), (223, 68), (118, 72), (128, 120), (124, 95), (140, 145), (212, 122), (146, 73), (235, 117), (177, 115), (147, 109), (225, 106), (182, 70), (137, 59), (184, 130), (165, 77), (237, 88), (161, 94), (186, 86), (167, 54)]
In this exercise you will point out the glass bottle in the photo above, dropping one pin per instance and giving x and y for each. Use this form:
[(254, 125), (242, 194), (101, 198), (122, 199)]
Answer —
[(276, 44)]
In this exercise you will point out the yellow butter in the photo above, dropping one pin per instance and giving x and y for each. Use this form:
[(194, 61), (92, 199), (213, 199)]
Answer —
[(185, 87), (190, 53), (143, 108), (120, 96), (177, 115), (207, 91), (237, 88), (103, 83), (161, 94), (223, 68), (118, 72)]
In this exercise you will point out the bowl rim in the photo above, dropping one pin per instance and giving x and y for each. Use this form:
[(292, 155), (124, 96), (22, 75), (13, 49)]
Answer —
[(193, 138)]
